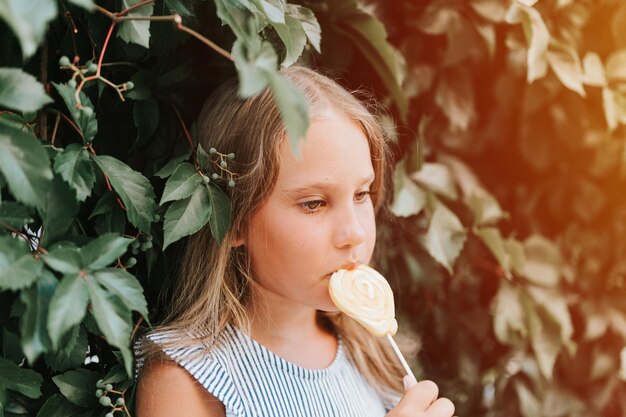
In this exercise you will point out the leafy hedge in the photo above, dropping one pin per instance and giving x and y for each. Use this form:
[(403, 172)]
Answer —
[(505, 245)]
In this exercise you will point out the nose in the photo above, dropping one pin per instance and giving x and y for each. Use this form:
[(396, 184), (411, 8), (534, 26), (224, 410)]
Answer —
[(349, 231)]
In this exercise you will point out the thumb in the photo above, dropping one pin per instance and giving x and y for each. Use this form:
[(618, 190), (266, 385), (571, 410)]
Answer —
[(409, 381)]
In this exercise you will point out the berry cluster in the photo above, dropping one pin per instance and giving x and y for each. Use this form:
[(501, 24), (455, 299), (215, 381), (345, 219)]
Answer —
[(141, 244), (103, 393), (88, 72), (220, 160)]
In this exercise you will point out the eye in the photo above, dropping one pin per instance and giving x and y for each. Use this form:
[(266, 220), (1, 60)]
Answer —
[(311, 206), (362, 196)]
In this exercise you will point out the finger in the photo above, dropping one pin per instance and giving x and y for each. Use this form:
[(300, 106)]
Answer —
[(422, 395), (409, 382), (443, 407)]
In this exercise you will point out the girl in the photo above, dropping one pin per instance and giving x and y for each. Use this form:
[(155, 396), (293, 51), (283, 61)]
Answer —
[(253, 331)]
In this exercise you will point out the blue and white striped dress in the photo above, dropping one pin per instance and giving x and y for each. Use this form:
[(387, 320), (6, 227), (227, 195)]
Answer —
[(250, 380)]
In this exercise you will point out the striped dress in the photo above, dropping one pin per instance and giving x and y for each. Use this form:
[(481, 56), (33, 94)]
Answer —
[(251, 381)]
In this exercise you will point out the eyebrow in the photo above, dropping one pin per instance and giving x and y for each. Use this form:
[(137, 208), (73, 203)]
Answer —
[(324, 185)]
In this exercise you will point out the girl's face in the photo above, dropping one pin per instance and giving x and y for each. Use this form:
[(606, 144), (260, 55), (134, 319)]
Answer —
[(318, 218)]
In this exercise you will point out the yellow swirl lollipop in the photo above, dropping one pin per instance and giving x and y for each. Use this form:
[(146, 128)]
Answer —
[(364, 294)]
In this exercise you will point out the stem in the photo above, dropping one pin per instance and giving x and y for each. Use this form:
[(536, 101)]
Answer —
[(187, 135), (43, 68), (17, 232), (56, 126), (68, 120), (133, 7), (206, 41)]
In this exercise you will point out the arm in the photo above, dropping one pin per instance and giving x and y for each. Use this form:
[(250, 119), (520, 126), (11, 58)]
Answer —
[(165, 389)]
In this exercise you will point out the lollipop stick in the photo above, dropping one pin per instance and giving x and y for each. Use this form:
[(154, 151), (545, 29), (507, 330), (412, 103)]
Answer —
[(400, 356)]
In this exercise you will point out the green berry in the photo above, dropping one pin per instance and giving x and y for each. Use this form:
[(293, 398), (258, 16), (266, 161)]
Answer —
[(64, 61), (135, 244), (105, 401), (143, 247), (108, 415), (231, 183), (99, 393), (135, 251), (72, 83), (130, 85), (149, 238), (157, 218), (109, 387), (120, 401), (231, 156), (212, 151), (214, 176), (100, 384), (223, 164), (91, 67), (206, 179), (132, 261), (148, 245), (87, 111)]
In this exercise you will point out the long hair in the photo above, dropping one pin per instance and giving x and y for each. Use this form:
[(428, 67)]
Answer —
[(214, 282)]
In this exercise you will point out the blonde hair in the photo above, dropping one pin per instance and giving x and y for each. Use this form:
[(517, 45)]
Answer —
[(214, 280)]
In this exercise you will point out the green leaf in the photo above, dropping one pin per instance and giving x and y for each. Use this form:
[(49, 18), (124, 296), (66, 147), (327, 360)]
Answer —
[(171, 165), (183, 182), (73, 353), (542, 261), (294, 109), (133, 188), (24, 164), (254, 60), (127, 288), (537, 37), (21, 91), (104, 250), (493, 240), (220, 213), (113, 318), (18, 268), (235, 15), (445, 237), (185, 217), (11, 348), (28, 20), (204, 160), (35, 339), (88, 124), (369, 36), (136, 31), (59, 211), (64, 258), (508, 322), (57, 406), (15, 214), (436, 177), (67, 306), (566, 64), (75, 167), (24, 381), (409, 199), (79, 386), (309, 23), (293, 36), (88, 5), (146, 118)]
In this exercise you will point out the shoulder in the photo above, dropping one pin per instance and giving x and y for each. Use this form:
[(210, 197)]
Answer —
[(165, 389)]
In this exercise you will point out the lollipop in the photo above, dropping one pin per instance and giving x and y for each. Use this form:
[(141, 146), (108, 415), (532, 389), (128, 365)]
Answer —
[(364, 294)]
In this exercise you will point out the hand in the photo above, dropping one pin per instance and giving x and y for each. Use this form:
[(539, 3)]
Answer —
[(420, 400)]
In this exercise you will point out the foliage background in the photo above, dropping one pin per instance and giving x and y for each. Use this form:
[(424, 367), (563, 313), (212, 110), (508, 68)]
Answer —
[(505, 243)]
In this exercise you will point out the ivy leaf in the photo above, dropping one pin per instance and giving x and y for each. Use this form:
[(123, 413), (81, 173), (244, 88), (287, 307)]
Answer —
[(455, 97), (35, 339), (369, 36), (133, 188), (64, 258), (233, 14), (309, 23), (185, 217), (436, 177), (73, 353), (542, 261), (78, 386), (28, 20), (127, 288), (113, 318), (294, 109), (566, 64), (537, 37), (67, 307), (254, 60), (21, 91), (204, 160), (146, 119), (104, 250), (57, 406), (409, 199), (15, 214), (88, 124), (25, 381), (18, 268), (219, 219), (88, 5), (24, 164), (183, 182), (60, 209), (445, 237), (508, 322), (136, 31), (171, 165), (75, 167)]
